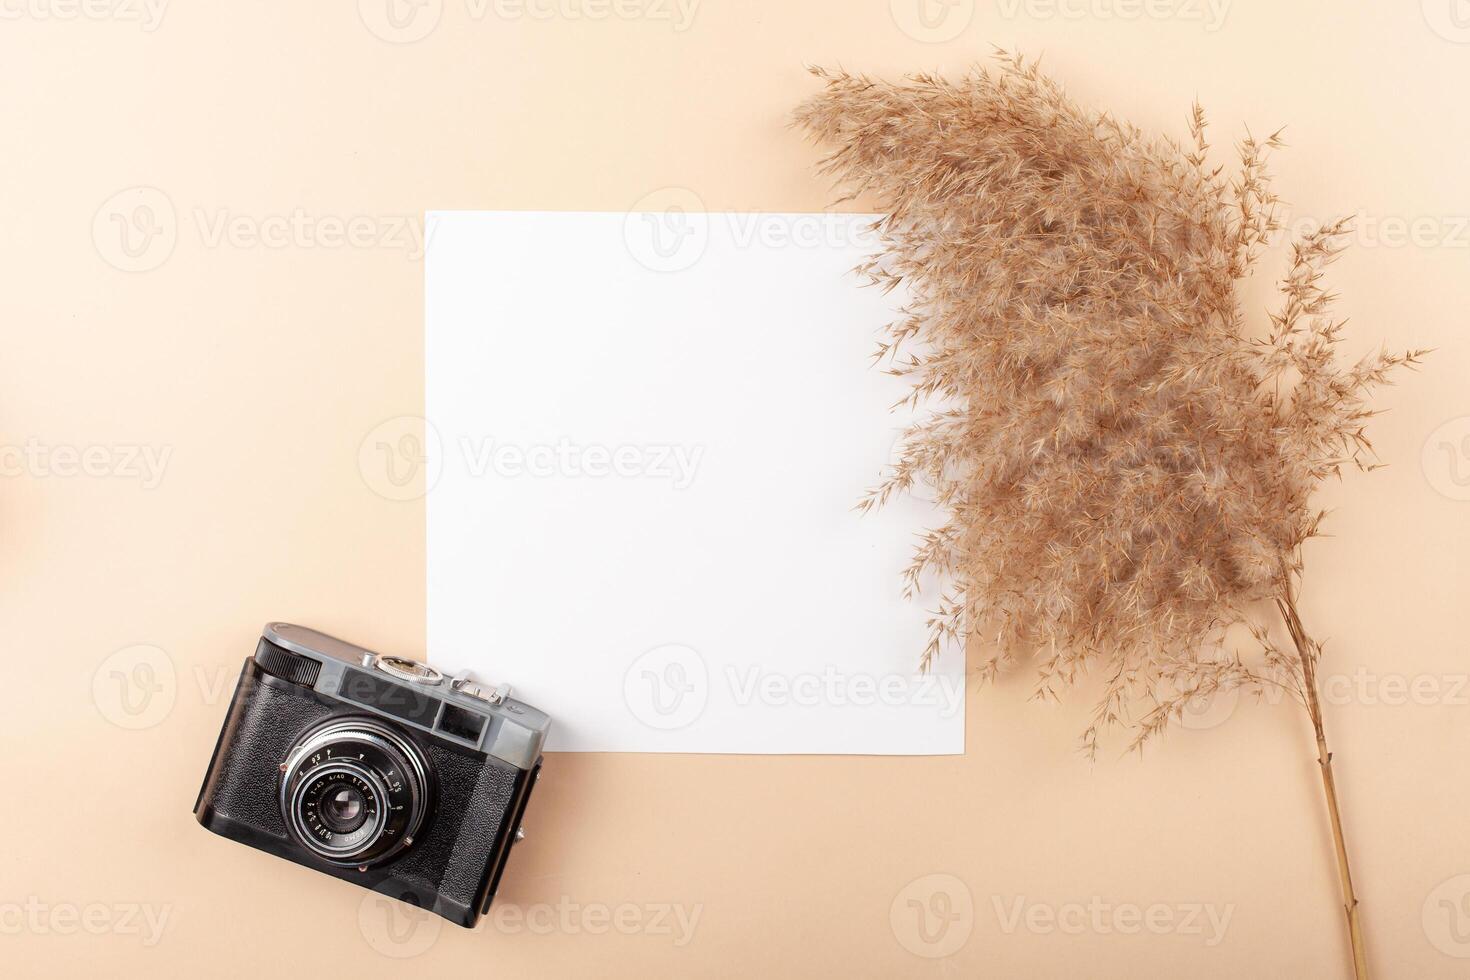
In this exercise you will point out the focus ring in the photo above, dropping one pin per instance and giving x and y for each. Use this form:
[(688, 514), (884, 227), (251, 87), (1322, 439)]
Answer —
[(395, 779)]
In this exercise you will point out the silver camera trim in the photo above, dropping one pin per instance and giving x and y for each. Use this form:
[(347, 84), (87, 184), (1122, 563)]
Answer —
[(413, 671), (294, 780), (514, 731)]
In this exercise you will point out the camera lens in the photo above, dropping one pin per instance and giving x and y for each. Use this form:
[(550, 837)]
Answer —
[(342, 808), (355, 791)]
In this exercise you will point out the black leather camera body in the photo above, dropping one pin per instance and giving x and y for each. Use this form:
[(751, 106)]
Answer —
[(374, 769)]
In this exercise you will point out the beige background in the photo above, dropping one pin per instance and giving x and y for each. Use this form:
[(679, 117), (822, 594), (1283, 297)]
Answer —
[(261, 369)]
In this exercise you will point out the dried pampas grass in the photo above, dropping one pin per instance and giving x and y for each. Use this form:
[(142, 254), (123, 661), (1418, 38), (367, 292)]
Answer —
[(1126, 471)]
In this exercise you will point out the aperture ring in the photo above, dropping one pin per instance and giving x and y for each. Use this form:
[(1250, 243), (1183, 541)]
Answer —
[(381, 765)]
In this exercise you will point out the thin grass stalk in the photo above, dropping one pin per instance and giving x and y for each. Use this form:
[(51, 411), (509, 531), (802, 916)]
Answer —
[(1306, 651)]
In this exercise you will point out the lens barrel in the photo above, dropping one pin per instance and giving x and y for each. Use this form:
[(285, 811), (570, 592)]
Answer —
[(355, 791)]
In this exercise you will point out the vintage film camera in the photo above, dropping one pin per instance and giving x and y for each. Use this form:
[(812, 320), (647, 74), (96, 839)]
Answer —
[(374, 769)]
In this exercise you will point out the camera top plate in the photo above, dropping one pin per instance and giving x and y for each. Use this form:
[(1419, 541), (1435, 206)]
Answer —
[(414, 694)]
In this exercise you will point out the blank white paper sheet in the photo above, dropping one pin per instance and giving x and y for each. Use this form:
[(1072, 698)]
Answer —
[(646, 436)]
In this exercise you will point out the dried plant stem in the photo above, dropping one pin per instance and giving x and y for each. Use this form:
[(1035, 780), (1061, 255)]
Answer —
[(1125, 465), (1307, 651)]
